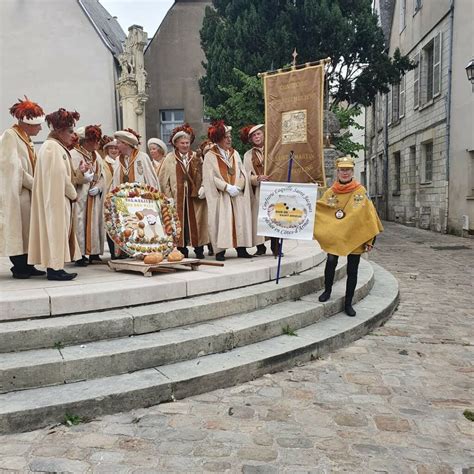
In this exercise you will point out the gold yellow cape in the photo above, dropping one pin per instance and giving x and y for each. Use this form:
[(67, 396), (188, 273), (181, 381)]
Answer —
[(350, 234)]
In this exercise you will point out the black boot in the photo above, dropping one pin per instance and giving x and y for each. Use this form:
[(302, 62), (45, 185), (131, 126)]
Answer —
[(220, 256), (82, 262), (352, 270), (184, 251), (242, 253), (210, 250), (95, 258), (199, 252), (261, 250), (329, 272)]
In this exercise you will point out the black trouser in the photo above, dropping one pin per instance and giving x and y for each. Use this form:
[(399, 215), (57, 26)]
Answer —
[(20, 264), (352, 270), (111, 244)]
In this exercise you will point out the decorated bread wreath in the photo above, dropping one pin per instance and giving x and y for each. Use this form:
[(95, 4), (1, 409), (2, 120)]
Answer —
[(141, 220)]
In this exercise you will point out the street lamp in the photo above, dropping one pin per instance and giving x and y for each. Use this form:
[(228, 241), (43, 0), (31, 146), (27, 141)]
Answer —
[(470, 72)]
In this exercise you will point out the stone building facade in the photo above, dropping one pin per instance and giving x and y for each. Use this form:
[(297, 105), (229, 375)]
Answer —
[(173, 61), (409, 136)]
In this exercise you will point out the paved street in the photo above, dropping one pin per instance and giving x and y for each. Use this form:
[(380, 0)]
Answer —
[(391, 402)]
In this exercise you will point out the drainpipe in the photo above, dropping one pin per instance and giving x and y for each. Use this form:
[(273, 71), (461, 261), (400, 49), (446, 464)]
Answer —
[(448, 111), (385, 168)]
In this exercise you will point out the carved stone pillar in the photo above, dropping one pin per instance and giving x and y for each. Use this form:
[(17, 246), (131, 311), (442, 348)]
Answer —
[(132, 83)]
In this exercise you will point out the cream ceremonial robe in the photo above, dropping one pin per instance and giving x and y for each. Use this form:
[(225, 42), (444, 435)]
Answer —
[(229, 219), (181, 179), (109, 168), (253, 163), (136, 168), (88, 212), (17, 158), (52, 238)]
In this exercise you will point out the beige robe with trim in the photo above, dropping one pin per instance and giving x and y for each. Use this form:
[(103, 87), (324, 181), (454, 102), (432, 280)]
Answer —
[(52, 238), (144, 171), (16, 182), (88, 211), (169, 187), (108, 172), (220, 205), (254, 196)]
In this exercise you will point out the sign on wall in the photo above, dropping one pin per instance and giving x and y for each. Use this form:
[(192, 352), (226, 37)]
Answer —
[(287, 210)]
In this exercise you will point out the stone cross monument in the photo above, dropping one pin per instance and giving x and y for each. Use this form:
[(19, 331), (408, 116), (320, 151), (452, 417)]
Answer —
[(132, 83)]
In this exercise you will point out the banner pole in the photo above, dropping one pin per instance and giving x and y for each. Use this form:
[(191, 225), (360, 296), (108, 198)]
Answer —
[(280, 241)]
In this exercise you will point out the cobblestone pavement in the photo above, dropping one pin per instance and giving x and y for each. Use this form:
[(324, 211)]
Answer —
[(391, 402)]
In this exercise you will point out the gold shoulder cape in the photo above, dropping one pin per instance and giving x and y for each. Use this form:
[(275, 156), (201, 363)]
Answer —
[(350, 234)]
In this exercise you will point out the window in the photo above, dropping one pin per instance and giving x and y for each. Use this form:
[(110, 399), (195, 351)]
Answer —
[(427, 175), (396, 173), (417, 5), (403, 8), (416, 81), (397, 101), (389, 105), (170, 119), (380, 175), (401, 101), (431, 69)]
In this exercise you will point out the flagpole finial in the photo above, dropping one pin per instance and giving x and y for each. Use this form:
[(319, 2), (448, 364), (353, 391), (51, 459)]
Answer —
[(294, 54)]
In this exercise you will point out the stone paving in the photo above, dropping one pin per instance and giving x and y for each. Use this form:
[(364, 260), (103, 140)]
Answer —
[(391, 402)]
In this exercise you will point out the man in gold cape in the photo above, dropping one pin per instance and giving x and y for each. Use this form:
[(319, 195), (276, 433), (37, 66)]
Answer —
[(346, 225)]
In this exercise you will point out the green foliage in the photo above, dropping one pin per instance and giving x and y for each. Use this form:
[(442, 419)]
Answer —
[(242, 104), (346, 117), (469, 415), (255, 36), (72, 420), (288, 330)]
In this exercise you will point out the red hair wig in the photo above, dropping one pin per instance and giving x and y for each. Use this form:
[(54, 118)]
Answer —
[(133, 132), (62, 119), (93, 133), (216, 131), (183, 128), (26, 109)]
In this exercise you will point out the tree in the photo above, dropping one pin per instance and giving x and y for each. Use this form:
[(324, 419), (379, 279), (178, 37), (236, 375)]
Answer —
[(255, 36)]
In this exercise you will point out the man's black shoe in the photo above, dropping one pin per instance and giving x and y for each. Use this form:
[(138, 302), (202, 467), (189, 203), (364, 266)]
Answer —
[(220, 256), (242, 253), (83, 262), (60, 275), (95, 258), (261, 250), (324, 296), (210, 250), (349, 310), (199, 252), (184, 251), (20, 276), (34, 272)]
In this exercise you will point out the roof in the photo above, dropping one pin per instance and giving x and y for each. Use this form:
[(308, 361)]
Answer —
[(386, 9), (105, 24)]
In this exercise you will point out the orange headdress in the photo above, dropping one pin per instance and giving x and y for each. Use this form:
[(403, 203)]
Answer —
[(27, 111), (181, 131), (62, 119)]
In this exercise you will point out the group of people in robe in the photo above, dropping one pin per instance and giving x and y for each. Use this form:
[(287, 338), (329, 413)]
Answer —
[(51, 204)]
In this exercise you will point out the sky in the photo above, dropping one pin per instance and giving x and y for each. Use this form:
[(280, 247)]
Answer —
[(146, 13)]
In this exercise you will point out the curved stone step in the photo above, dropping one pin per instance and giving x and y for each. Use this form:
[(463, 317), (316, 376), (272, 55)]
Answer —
[(30, 409), (38, 368), (98, 288), (96, 326)]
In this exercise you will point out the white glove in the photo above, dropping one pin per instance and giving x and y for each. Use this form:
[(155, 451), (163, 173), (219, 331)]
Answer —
[(94, 191), (89, 176), (201, 193), (232, 190)]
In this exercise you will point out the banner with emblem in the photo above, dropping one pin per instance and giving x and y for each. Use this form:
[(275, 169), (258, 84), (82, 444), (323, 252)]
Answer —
[(294, 103), (287, 210)]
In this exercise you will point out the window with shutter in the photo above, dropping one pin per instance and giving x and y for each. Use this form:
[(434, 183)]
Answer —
[(401, 106), (389, 105), (395, 102), (416, 81), (437, 65)]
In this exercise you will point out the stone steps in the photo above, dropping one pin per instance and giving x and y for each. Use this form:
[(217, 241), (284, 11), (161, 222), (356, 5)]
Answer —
[(38, 368), (74, 329), (33, 408)]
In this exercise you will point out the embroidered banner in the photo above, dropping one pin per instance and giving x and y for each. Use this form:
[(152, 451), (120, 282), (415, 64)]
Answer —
[(294, 102), (287, 210)]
